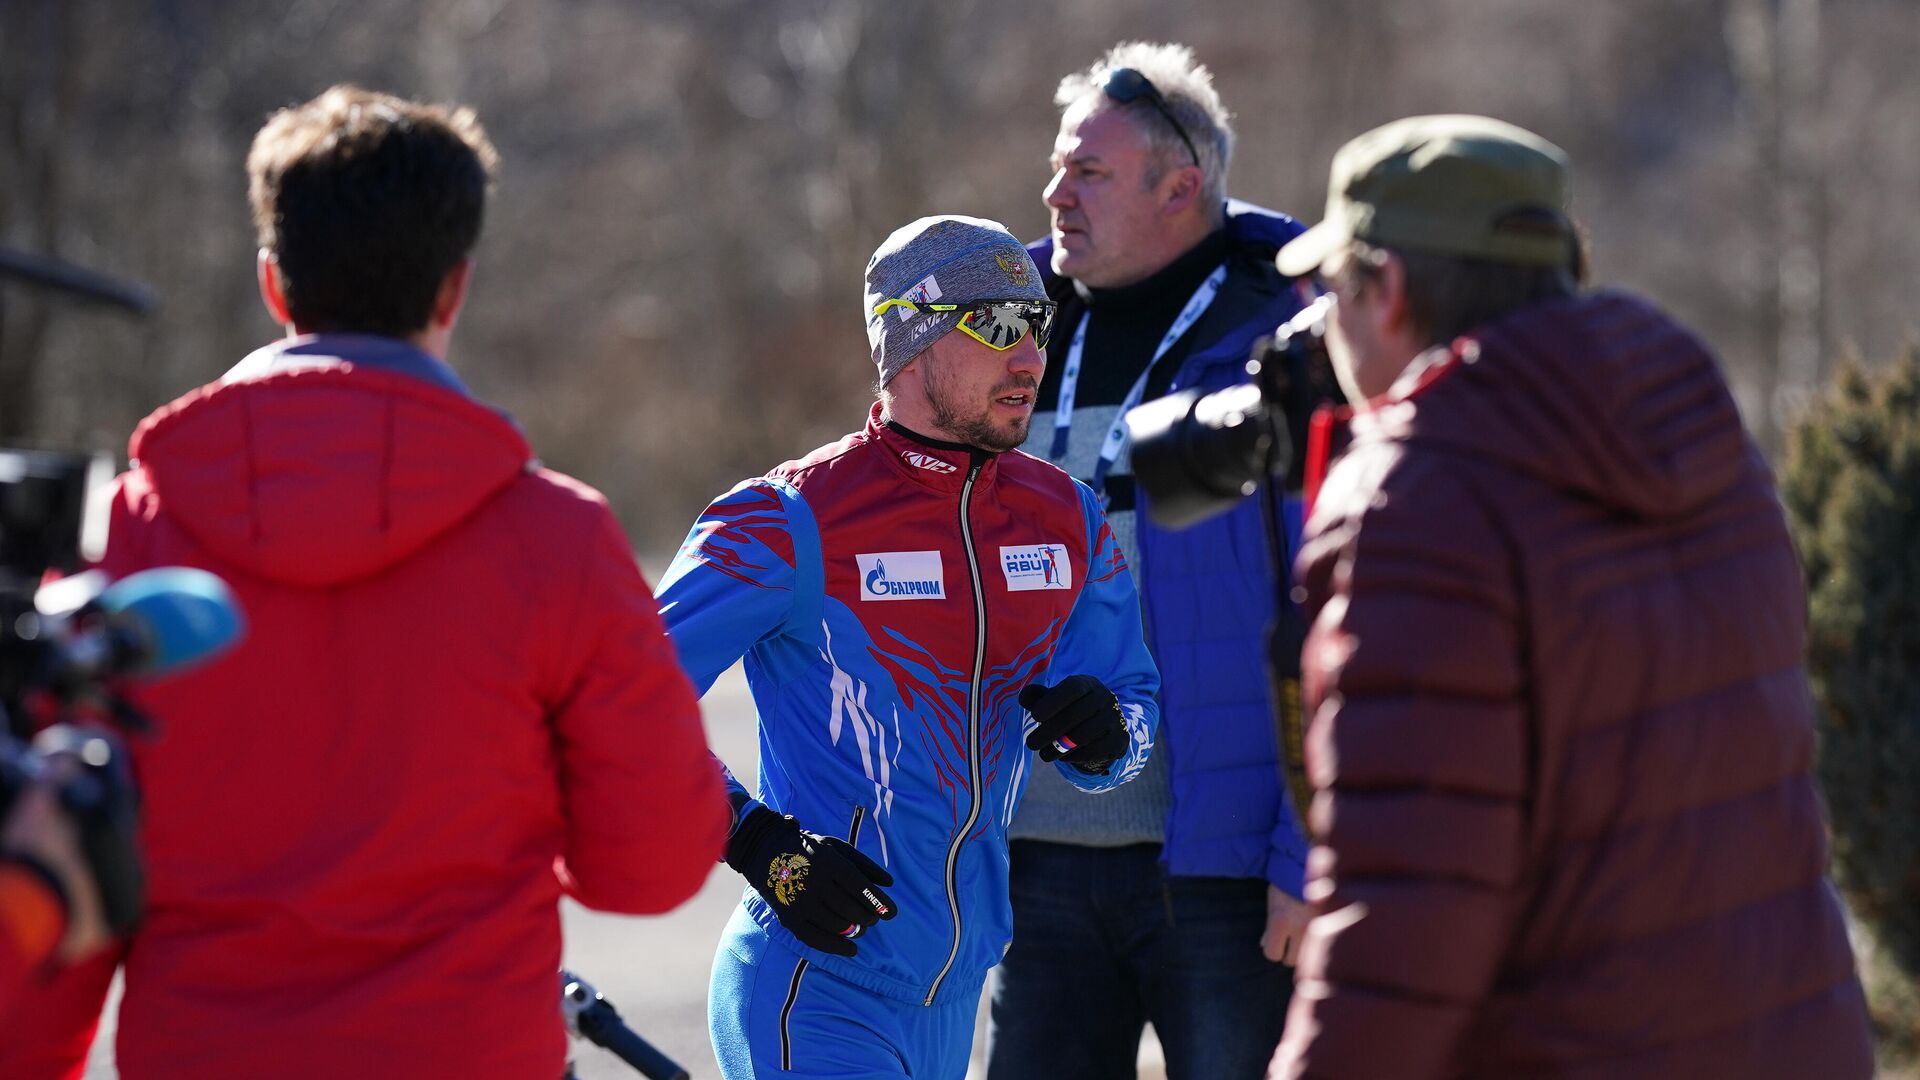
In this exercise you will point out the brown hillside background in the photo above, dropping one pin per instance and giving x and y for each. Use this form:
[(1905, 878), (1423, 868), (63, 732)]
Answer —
[(668, 289)]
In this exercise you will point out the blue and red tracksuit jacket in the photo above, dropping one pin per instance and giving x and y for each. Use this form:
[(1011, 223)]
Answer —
[(891, 597)]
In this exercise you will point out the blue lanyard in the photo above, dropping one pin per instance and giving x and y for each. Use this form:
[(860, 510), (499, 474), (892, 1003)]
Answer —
[(1116, 440)]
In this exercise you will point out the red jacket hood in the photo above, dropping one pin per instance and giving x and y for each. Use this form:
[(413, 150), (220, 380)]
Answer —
[(319, 476), (1603, 394)]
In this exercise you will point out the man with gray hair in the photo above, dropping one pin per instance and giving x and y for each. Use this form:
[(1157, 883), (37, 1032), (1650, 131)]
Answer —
[(1175, 900), (921, 609)]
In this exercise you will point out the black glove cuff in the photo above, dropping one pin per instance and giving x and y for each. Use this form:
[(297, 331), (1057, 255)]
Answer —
[(753, 831)]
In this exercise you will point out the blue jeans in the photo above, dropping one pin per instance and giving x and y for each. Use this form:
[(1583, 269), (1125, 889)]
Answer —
[(1104, 941)]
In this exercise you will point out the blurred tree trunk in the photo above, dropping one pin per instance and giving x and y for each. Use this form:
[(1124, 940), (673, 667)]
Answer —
[(1801, 173), (1776, 45), (40, 97)]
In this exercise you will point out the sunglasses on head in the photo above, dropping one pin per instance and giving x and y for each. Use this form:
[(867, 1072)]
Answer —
[(997, 324), (1126, 86)]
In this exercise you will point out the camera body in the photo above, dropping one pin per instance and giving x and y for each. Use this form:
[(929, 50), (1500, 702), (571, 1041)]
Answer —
[(1196, 454), (44, 526), (58, 652)]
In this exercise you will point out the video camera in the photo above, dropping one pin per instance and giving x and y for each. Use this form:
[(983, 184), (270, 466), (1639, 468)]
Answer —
[(66, 644), (1197, 454)]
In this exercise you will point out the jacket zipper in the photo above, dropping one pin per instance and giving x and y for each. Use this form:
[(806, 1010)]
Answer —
[(973, 729), (800, 969)]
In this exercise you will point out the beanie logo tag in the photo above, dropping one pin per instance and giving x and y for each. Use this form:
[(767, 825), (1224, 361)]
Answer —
[(1015, 267), (924, 293)]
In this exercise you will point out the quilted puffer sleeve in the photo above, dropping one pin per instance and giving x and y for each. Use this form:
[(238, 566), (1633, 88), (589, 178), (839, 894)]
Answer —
[(1417, 751), (645, 807)]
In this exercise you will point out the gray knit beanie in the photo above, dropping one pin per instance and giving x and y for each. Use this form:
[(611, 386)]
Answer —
[(947, 260)]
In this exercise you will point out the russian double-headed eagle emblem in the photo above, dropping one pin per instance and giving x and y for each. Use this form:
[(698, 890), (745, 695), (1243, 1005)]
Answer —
[(1015, 267), (787, 877)]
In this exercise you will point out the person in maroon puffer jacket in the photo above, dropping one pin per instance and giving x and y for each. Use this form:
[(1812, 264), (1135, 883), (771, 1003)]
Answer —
[(1561, 735), (455, 701)]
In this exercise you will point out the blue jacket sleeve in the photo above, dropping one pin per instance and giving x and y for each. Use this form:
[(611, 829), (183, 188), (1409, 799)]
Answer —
[(1287, 854), (748, 571), (1104, 638), (1287, 861)]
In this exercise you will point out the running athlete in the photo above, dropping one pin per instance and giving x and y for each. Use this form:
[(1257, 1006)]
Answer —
[(920, 606)]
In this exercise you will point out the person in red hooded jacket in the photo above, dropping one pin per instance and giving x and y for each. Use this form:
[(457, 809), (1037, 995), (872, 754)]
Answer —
[(455, 701), (1561, 738)]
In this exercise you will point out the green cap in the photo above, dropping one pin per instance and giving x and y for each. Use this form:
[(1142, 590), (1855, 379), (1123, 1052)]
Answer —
[(1441, 184)]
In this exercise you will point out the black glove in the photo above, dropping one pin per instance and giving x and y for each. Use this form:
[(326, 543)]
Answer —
[(1080, 723), (824, 890)]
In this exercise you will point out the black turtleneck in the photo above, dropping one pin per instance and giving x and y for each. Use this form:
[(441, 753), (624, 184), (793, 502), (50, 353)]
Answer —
[(1128, 323), (975, 454), (1127, 326)]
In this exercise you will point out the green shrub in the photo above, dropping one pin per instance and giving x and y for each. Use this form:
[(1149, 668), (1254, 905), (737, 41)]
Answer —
[(1851, 486)]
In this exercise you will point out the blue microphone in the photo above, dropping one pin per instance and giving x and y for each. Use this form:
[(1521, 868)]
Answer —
[(154, 623), (169, 620)]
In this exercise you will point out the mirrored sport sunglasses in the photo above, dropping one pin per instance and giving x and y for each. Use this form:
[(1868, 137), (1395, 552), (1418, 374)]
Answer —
[(997, 324), (1126, 86)]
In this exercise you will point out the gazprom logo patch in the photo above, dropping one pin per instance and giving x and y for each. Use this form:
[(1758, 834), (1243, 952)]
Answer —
[(1036, 566), (901, 575)]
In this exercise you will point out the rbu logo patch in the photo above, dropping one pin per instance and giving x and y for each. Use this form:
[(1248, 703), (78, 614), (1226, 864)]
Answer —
[(901, 575), (1036, 566)]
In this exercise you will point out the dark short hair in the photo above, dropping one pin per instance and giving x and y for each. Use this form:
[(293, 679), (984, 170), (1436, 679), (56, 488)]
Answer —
[(1449, 295), (365, 201)]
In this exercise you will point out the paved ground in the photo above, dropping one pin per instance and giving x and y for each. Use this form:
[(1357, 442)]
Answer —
[(655, 970)]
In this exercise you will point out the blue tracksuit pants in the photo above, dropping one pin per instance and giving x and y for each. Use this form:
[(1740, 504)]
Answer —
[(774, 1015)]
